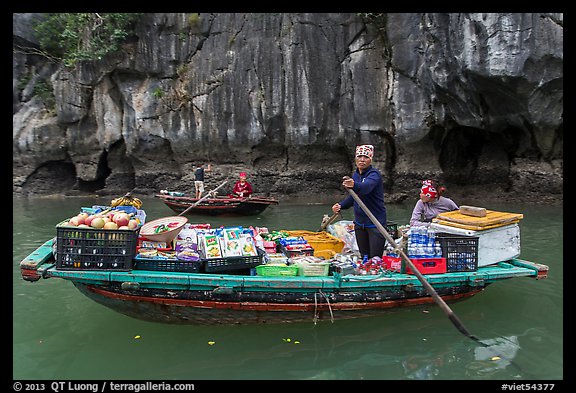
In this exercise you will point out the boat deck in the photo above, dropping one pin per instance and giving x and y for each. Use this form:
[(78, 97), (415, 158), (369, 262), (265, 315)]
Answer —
[(41, 263)]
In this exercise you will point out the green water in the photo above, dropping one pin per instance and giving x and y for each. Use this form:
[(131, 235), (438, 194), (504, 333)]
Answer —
[(59, 334)]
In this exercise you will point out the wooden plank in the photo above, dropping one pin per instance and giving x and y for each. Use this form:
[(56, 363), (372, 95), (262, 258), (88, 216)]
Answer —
[(39, 256)]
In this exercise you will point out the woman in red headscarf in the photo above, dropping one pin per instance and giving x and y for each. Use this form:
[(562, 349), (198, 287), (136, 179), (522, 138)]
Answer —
[(431, 203), (242, 188)]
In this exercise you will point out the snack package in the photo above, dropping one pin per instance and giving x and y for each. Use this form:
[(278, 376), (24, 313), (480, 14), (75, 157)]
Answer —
[(232, 246), (211, 246), (187, 251), (247, 245)]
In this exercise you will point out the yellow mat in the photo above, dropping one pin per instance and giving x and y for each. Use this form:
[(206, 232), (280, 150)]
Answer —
[(471, 227), (493, 219)]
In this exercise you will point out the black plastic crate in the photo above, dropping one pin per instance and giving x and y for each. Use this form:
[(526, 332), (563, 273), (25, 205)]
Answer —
[(167, 265), (95, 249), (461, 252), (215, 265)]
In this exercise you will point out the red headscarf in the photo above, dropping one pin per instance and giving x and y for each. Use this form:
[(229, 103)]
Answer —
[(243, 174), (428, 190)]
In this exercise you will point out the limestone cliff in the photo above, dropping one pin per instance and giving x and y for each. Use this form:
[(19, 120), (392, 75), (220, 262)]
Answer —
[(475, 100)]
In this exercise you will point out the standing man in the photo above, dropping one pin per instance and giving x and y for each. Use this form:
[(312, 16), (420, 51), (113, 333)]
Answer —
[(199, 178), (368, 184)]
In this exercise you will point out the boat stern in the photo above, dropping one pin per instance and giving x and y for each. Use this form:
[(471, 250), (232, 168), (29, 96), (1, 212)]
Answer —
[(33, 267)]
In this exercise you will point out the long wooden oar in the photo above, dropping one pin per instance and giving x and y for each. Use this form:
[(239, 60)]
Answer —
[(447, 310), (201, 199)]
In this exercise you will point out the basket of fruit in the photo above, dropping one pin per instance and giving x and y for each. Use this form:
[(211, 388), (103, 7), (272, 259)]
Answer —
[(163, 229)]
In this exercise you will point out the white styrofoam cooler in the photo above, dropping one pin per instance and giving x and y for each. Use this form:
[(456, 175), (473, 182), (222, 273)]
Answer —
[(494, 245)]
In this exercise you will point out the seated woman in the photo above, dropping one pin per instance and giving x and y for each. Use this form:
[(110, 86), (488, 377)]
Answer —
[(431, 203), (242, 188)]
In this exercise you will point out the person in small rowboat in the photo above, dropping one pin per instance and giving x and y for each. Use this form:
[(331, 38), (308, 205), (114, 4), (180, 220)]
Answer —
[(431, 203), (367, 182), (242, 189), (199, 179)]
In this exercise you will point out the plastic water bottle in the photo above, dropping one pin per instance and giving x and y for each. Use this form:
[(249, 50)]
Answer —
[(420, 251), (431, 237), (424, 235), (437, 250), (418, 235)]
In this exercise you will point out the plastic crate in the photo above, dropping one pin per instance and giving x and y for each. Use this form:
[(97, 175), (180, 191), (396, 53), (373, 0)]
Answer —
[(461, 252), (277, 270), (95, 249), (167, 265), (212, 265), (315, 269), (428, 265), (320, 241)]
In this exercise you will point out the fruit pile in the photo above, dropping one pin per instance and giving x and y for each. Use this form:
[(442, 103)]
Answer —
[(126, 200), (107, 219)]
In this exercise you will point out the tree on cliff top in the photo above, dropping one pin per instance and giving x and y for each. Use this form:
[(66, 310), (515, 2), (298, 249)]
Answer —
[(70, 37)]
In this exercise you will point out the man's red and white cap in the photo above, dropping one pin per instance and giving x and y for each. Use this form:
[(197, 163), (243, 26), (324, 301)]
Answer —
[(365, 150)]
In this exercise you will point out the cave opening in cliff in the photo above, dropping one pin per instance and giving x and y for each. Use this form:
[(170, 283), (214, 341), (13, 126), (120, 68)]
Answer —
[(99, 182), (461, 148), (52, 177)]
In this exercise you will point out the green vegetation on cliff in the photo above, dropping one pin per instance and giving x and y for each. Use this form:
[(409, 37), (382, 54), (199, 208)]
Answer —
[(70, 37)]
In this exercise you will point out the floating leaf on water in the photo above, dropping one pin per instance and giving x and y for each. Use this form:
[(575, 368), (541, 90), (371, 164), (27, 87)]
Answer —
[(495, 358), (211, 342), (137, 336), (296, 342), (286, 339)]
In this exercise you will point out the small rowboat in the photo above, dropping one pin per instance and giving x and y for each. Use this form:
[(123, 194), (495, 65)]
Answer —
[(218, 206), (219, 298)]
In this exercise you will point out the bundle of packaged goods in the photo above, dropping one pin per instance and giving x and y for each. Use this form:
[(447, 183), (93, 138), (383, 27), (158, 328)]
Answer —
[(295, 246), (352, 264), (229, 248), (181, 254)]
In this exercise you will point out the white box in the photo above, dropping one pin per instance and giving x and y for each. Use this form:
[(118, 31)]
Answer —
[(494, 245)]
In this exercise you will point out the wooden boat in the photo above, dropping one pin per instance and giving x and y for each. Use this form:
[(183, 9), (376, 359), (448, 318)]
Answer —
[(218, 206), (218, 298)]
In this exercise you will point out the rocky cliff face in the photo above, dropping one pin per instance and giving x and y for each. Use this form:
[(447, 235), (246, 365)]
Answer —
[(474, 100)]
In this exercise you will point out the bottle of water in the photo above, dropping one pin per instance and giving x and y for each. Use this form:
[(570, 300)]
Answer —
[(420, 251), (429, 249), (411, 250), (437, 250), (414, 242), (431, 237), (419, 234), (424, 235)]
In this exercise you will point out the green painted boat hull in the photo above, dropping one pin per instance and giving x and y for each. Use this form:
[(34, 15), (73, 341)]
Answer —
[(200, 298)]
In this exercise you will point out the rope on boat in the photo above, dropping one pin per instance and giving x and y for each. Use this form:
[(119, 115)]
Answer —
[(316, 316), (315, 319), (329, 306)]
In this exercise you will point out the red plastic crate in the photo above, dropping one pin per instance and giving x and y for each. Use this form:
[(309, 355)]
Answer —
[(393, 263), (428, 265)]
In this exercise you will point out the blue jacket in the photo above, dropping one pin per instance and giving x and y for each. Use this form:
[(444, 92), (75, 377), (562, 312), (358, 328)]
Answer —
[(370, 189)]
